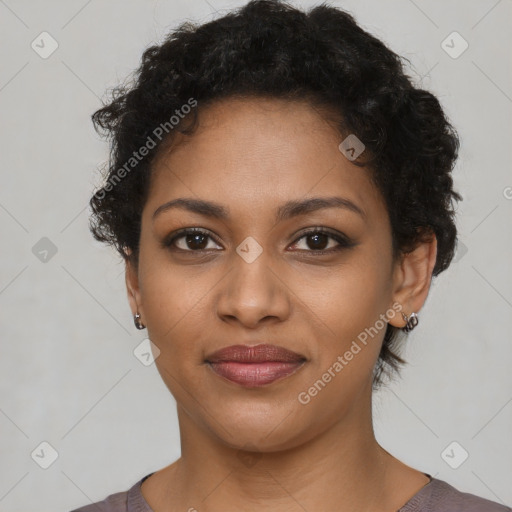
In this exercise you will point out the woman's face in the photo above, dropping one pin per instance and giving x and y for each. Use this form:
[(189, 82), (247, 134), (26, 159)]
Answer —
[(255, 278)]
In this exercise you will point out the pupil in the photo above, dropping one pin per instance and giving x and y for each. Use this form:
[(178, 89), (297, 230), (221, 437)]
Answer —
[(193, 239), (322, 237)]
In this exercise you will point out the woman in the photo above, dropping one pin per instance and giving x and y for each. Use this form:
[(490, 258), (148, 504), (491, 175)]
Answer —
[(282, 197)]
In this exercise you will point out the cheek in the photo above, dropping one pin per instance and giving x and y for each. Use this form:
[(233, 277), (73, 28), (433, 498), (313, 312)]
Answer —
[(174, 310), (346, 309), (347, 342), (176, 306), (350, 296)]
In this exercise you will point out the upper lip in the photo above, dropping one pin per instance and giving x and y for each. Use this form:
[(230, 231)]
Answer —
[(255, 354)]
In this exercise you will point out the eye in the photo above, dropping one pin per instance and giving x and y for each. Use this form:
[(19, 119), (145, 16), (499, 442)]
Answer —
[(318, 241), (189, 240), (321, 241)]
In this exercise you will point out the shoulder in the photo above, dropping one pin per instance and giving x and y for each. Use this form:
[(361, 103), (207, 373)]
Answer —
[(117, 502), (131, 500), (440, 496)]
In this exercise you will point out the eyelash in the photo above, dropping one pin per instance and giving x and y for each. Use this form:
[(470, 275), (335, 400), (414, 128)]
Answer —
[(343, 241)]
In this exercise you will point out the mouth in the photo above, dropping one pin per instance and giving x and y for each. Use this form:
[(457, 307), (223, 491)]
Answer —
[(255, 366)]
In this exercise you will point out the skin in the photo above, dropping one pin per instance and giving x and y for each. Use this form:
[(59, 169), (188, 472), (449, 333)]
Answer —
[(260, 448)]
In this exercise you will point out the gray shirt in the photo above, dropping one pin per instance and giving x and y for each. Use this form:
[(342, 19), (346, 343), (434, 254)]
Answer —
[(435, 496)]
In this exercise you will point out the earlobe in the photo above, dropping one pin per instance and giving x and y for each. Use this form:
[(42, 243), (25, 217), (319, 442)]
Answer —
[(412, 279)]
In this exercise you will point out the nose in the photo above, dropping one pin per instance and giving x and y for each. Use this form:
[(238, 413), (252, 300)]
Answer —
[(253, 294)]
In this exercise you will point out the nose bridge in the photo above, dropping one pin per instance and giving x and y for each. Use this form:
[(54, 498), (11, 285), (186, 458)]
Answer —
[(250, 272), (251, 291)]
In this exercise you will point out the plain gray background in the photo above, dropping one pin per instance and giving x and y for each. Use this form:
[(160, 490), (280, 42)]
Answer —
[(68, 373)]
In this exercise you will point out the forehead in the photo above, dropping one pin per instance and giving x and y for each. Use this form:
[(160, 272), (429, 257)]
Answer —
[(251, 153)]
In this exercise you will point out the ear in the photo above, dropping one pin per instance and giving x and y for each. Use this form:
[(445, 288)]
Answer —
[(412, 278), (133, 289)]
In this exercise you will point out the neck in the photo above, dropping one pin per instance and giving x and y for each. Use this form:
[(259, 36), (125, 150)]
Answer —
[(342, 468)]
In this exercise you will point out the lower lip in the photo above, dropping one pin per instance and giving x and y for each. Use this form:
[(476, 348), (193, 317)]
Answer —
[(254, 374)]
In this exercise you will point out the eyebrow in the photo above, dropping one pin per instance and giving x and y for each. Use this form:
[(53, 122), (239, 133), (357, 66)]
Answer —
[(290, 209)]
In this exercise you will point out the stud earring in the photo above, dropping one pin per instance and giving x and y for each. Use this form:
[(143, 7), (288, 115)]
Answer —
[(410, 322), (137, 322)]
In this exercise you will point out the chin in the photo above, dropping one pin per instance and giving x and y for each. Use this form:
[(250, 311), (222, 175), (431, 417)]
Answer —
[(265, 428)]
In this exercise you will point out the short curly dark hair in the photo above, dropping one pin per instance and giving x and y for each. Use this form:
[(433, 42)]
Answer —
[(271, 49)]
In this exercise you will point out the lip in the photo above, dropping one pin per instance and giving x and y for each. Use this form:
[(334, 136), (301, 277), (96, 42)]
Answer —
[(256, 365)]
